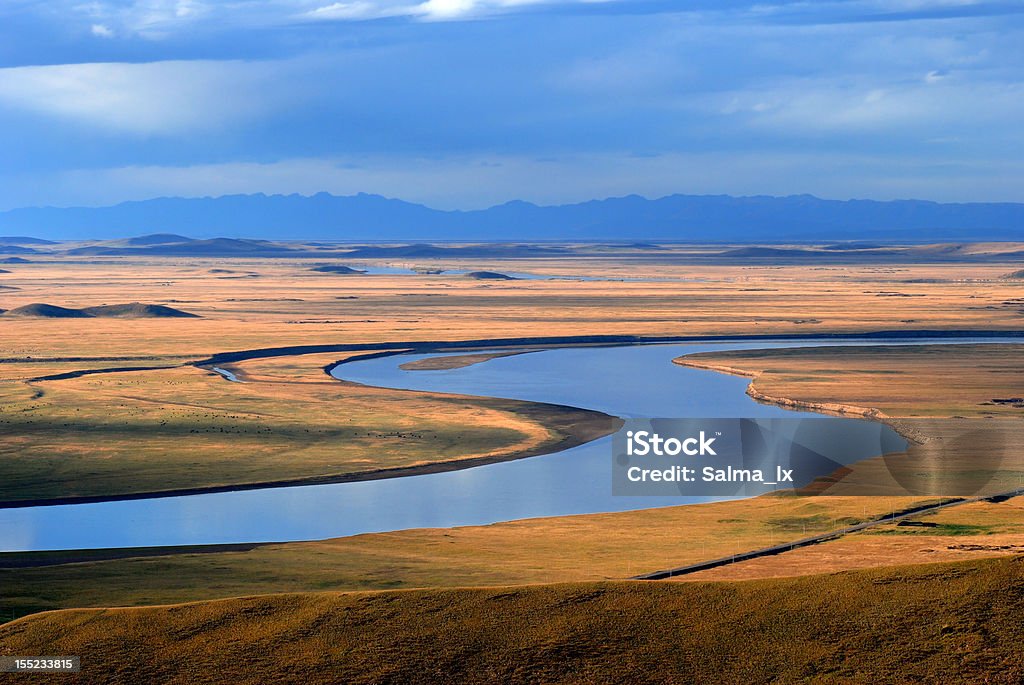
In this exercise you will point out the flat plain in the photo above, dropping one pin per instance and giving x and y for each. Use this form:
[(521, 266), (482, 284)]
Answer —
[(110, 434)]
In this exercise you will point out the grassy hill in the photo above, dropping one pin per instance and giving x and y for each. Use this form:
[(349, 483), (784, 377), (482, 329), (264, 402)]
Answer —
[(949, 623), (48, 311), (132, 310), (137, 310)]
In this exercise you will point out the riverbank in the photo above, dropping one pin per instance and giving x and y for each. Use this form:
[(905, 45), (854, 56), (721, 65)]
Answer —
[(119, 436)]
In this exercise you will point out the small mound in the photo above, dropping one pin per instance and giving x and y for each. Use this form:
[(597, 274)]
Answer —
[(14, 260), (490, 276), (1015, 276), (4, 271), (48, 311), (137, 310), (336, 269)]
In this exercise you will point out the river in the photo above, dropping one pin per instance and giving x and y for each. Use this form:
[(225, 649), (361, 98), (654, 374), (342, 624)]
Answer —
[(626, 381)]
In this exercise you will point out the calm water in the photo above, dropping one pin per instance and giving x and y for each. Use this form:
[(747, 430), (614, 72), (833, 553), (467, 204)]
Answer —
[(625, 381), (382, 270)]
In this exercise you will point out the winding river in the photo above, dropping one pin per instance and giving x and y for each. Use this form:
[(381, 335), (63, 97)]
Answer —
[(627, 381)]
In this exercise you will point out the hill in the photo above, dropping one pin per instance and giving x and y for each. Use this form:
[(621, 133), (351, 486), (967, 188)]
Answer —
[(489, 276), (15, 260), (157, 239), (134, 310), (1014, 276), (23, 240), (137, 310), (336, 269), (948, 623), (216, 247), (47, 311), (720, 218)]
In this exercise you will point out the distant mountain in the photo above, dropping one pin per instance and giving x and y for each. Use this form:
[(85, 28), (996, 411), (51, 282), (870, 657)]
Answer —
[(365, 217), (157, 239), (22, 240)]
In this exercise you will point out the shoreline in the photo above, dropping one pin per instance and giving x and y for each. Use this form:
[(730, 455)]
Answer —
[(387, 349), (827, 408), (595, 426)]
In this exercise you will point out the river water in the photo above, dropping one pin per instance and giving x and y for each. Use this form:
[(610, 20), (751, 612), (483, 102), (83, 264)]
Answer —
[(626, 381)]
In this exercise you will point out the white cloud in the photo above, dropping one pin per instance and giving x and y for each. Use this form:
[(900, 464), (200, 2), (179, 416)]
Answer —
[(149, 98), (426, 10), (152, 19), (915, 106), (157, 19), (101, 31)]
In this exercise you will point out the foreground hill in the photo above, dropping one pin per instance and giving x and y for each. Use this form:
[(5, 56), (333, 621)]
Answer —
[(948, 623)]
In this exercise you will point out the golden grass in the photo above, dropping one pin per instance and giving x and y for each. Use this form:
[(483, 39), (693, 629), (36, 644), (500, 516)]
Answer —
[(289, 305), (942, 394), (93, 435), (951, 623), (187, 428), (914, 381), (137, 421), (573, 548)]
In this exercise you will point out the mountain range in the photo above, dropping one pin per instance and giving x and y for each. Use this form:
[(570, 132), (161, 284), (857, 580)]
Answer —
[(364, 217)]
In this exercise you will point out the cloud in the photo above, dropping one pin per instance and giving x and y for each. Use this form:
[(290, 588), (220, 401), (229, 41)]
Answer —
[(937, 102), (101, 31), (150, 98), (429, 10)]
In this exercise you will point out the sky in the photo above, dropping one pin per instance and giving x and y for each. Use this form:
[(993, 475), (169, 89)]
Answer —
[(468, 103)]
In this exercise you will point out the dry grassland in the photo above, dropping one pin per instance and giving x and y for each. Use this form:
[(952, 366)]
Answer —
[(945, 623)]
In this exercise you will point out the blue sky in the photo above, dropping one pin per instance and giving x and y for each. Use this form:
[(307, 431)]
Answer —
[(466, 103)]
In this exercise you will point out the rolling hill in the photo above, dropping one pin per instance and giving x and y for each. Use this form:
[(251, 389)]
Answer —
[(137, 310), (42, 310), (935, 623), (133, 310)]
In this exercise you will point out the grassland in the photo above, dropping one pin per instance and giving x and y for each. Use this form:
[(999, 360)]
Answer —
[(287, 304), (583, 548), (951, 623), (575, 548), (914, 381), (953, 399), (97, 433), (187, 428), (111, 435)]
